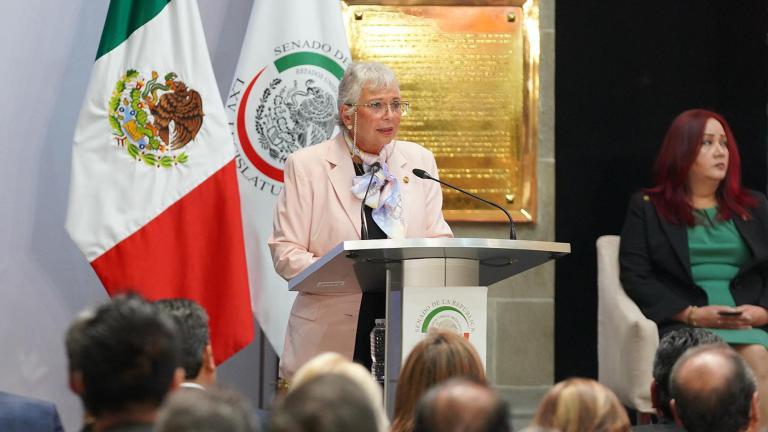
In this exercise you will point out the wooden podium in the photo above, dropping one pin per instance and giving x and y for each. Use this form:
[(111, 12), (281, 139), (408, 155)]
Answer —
[(398, 267)]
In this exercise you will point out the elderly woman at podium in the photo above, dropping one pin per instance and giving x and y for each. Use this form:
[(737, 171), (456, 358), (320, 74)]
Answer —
[(320, 206)]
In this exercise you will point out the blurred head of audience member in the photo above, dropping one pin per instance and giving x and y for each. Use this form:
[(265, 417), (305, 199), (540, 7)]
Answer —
[(213, 410), (326, 403), (671, 347), (461, 405), (581, 405), (73, 340), (123, 360), (439, 356), (332, 362), (196, 351), (713, 389)]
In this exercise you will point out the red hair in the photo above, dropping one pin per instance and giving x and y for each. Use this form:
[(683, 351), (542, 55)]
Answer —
[(678, 152)]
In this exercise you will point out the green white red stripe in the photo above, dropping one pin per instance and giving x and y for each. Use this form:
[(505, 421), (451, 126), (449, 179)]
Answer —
[(160, 216)]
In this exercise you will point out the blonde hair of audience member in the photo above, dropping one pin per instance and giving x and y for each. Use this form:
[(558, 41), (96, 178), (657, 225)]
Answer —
[(581, 405), (440, 356), (331, 362)]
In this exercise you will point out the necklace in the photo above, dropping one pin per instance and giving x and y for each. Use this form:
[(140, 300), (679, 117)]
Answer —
[(352, 147)]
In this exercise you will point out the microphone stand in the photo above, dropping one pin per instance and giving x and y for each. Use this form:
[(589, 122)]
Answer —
[(425, 175)]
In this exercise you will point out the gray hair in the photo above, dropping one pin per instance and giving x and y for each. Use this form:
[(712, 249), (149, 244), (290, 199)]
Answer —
[(360, 74), (329, 402), (214, 409)]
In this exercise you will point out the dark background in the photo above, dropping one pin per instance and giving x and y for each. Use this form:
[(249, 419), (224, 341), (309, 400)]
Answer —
[(624, 70)]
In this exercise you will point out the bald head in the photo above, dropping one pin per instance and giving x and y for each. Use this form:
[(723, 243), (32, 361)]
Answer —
[(712, 389), (716, 365), (461, 405)]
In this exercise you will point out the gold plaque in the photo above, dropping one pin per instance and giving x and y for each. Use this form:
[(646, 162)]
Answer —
[(470, 73)]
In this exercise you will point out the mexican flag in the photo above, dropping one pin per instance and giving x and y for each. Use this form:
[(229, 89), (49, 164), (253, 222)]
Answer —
[(153, 202), (283, 98)]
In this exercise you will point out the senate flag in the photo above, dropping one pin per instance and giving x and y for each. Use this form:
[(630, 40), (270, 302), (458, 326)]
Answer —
[(283, 98), (154, 203)]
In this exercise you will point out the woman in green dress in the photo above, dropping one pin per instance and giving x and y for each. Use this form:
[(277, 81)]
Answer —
[(694, 248)]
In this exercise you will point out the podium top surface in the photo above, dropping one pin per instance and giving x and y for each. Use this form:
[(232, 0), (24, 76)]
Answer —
[(498, 259)]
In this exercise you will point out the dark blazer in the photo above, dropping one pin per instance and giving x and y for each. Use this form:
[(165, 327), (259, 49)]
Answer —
[(656, 267), (21, 414)]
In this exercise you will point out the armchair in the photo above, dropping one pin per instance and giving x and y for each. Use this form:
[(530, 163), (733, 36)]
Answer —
[(626, 339)]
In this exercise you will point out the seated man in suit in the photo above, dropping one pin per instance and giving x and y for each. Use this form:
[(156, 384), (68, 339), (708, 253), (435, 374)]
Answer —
[(123, 361), (22, 414), (671, 347), (196, 351)]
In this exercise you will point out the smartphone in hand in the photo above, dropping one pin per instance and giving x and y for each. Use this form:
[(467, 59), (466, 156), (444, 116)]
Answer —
[(730, 313)]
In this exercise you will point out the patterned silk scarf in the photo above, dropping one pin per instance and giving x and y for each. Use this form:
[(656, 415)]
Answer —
[(384, 196)]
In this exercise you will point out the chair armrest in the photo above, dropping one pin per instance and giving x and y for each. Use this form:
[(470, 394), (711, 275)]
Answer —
[(626, 339)]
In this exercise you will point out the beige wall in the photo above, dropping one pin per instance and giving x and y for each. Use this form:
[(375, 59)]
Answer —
[(521, 315)]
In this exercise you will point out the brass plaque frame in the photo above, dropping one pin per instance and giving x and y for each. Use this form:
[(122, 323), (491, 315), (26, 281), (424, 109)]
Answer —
[(504, 170)]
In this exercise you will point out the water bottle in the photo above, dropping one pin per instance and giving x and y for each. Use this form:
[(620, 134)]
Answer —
[(377, 350)]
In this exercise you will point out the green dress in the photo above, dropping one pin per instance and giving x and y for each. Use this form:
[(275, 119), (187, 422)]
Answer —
[(717, 251)]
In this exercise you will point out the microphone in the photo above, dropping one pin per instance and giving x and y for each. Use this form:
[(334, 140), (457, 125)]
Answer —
[(420, 173), (375, 167)]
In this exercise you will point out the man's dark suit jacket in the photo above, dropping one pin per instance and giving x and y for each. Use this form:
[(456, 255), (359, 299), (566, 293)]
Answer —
[(21, 414), (656, 267)]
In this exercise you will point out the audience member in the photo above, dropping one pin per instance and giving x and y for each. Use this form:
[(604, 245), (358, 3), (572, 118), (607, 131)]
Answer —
[(23, 414), (331, 362), (123, 361), (671, 347), (73, 340), (214, 410), (327, 403), (581, 405), (196, 351), (713, 390), (440, 356), (461, 405)]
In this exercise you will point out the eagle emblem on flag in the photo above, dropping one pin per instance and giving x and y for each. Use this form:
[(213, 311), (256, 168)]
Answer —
[(155, 119), (292, 117)]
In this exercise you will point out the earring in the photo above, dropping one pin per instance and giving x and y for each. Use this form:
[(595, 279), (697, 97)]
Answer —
[(354, 131), (349, 126)]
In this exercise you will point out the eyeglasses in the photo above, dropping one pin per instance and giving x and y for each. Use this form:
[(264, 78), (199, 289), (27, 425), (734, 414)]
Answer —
[(378, 108)]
